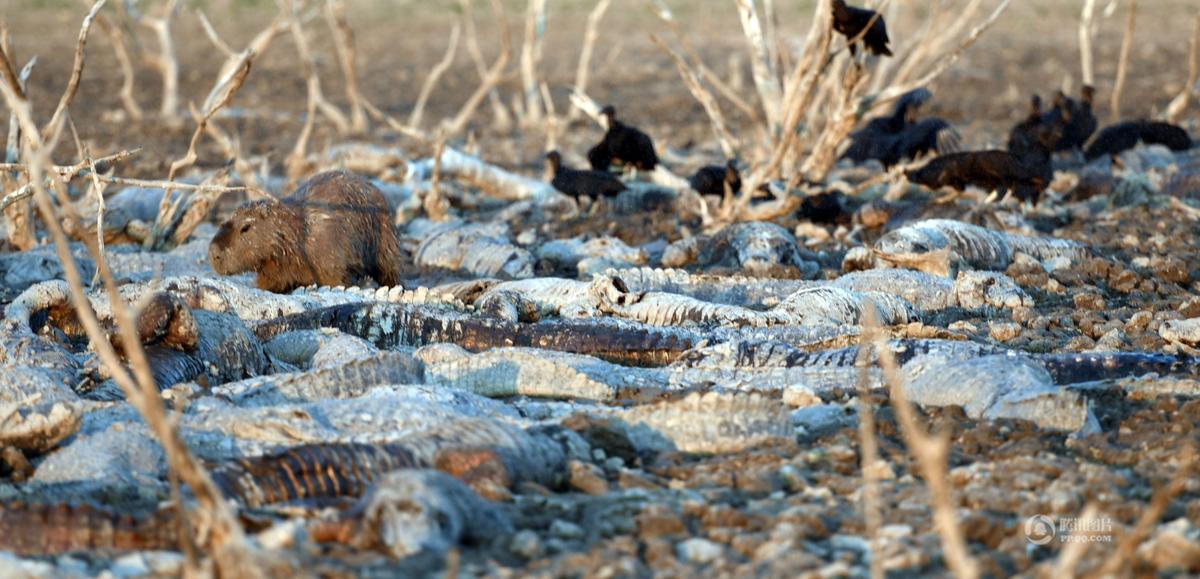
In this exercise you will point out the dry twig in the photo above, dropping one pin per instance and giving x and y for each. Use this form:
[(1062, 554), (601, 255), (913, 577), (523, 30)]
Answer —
[(165, 61), (435, 74), (1122, 557), (591, 33), (501, 118), (1086, 30), (728, 143), (343, 43), (290, 10), (1123, 64), (931, 453), (220, 529), (531, 56), (116, 38), (1192, 86)]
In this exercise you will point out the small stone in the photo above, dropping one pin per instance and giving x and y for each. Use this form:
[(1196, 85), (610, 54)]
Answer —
[(1190, 308), (849, 543), (895, 531), (652, 524), (1138, 322), (1111, 341), (526, 544), (745, 544), (963, 326), (1090, 301), (587, 478), (598, 454), (700, 551), (793, 481), (858, 259), (566, 530), (1004, 331), (614, 463), (629, 479), (659, 554), (1170, 269)]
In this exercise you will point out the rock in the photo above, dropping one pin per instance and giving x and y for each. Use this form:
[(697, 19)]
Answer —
[(658, 522), (587, 478), (1186, 331), (699, 551), (1004, 331), (526, 544), (566, 530), (1090, 301)]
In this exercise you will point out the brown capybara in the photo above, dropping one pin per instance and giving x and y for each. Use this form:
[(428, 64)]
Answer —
[(335, 230)]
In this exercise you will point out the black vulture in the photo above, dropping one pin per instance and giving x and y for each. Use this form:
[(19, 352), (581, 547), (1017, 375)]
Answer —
[(892, 138), (850, 22), (1120, 137), (576, 182), (1026, 174), (622, 145), (1080, 123), (711, 180)]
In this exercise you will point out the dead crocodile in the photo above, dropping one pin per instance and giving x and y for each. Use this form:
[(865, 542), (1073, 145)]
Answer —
[(328, 470), (1064, 368), (927, 293), (389, 326), (936, 242), (478, 250), (52, 529), (350, 379), (413, 511), (757, 247)]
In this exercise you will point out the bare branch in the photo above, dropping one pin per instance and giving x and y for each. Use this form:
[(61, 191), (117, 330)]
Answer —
[(1191, 87), (76, 71), (213, 36), (1086, 30), (343, 42), (728, 143), (1123, 64), (931, 454), (493, 77), (414, 119), (531, 56), (501, 117), (116, 37), (292, 14), (165, 61), (766, 78), (224, 532), (589, 44), (64, 173)]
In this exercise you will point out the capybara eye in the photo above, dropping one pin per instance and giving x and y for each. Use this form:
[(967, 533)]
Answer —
[(245, 228)]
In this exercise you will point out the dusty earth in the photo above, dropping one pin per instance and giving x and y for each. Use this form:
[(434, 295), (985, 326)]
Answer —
[(794, 507)]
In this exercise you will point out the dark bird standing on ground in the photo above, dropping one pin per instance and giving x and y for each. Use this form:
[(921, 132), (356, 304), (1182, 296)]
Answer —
[(892, 138), (711, 180), (622, 145), (830, 207), (1081, 122), (1025, 175), (1115, 139), (850, 22), (576, 182), (1022, 136)]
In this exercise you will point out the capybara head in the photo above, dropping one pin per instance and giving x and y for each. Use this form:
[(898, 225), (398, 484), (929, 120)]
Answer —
[(252, 235)]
